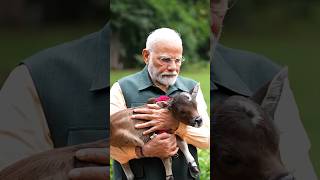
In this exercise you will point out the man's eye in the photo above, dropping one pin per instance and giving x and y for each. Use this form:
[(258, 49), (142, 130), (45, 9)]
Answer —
[(177, 61), (166, 60)]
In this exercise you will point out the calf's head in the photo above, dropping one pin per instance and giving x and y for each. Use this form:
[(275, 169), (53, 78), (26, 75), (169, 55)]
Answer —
[(183, 107), (245, 140)]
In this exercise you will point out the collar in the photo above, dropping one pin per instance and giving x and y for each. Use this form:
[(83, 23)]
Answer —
[(222, 74), (144, 79), (145, 82), (101, 78)]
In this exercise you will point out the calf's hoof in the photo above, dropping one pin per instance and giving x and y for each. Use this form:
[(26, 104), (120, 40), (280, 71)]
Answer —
[(193, 169), (170, 177)]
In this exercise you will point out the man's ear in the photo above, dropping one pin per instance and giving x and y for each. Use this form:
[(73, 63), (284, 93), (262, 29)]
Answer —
[(145, 55)]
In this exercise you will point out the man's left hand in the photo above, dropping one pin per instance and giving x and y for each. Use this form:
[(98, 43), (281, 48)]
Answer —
[(157, 117), (98, 156)]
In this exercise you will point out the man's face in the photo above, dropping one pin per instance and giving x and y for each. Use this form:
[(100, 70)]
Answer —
[(163, 62)]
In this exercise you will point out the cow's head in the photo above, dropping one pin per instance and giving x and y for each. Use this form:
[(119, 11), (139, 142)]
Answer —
[(245, 140), (183, 107)]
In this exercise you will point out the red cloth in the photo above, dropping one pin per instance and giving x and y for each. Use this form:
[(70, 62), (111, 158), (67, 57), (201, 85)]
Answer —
[(159, 99), (162, 98)]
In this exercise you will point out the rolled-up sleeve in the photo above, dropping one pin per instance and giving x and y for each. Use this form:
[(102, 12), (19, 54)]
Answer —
[(117, 103), (23, 127), (294, 141)]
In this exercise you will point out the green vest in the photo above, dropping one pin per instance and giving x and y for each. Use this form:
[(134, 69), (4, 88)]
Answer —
[(236, 72), (137, 89), (72, 82)]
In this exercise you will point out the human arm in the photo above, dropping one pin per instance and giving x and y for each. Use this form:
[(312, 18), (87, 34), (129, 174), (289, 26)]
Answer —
[(23, 127), (294, 142)]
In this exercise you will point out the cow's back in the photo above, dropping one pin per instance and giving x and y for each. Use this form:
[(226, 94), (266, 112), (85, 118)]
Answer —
[(123, 132)]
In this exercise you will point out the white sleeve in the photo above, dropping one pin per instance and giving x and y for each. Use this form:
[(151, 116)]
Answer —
[(294, 142), (23, 127), (117, 101)]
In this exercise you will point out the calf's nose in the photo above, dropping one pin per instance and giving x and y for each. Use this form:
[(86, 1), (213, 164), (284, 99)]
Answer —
[(287, 177), (198, 121), (284, 177)]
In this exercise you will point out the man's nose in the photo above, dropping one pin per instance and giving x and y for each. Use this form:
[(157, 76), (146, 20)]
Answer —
[(172, 66)]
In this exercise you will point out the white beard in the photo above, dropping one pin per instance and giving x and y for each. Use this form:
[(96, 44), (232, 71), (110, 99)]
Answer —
[(162, 78)]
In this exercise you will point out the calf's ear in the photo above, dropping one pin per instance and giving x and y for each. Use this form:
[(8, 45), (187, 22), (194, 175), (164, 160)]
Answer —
[(151, 101), (162, 104), (195, 90), (268, 96)]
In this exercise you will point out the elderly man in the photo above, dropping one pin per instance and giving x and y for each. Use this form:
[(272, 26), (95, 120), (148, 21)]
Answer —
[(236, 72), (163, 58)]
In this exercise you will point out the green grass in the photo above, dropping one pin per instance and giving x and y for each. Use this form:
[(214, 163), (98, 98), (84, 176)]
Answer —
[(200, 75)]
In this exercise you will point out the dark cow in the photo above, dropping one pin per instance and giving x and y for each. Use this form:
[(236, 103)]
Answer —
[(245, 140), (183, 108)]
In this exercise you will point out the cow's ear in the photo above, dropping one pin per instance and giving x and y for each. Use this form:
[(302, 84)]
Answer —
[(260, 94), (269, 95), (163, 104), (195, 90), (151, 101)]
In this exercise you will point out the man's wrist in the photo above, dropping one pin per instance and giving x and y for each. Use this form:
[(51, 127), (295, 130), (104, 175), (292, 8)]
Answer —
[(139, 152)]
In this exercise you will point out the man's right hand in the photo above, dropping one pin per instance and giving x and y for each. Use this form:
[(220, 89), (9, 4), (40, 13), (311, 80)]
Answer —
[(163, 145)]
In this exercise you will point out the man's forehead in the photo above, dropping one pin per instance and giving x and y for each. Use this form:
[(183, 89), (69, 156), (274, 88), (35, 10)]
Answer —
[(166, 45)]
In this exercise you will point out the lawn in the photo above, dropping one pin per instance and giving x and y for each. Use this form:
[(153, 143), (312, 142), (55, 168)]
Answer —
[(202, 76)]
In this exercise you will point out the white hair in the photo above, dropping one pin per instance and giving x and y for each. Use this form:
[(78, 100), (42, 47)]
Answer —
[(163, 34)]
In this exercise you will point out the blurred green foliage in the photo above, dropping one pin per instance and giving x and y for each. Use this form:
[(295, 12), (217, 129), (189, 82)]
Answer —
[(132, 21), (252, 16)]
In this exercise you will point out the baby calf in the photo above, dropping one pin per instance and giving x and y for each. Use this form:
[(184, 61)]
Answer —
[(183, 108), (245, 140)]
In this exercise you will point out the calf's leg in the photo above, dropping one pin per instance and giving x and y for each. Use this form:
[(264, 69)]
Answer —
[(167, 162), (193, 167), (127, 170)]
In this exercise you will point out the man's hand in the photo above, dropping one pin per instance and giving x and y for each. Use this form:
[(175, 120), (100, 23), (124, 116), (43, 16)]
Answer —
[(163, 145), (158, 119), (99, 156)]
